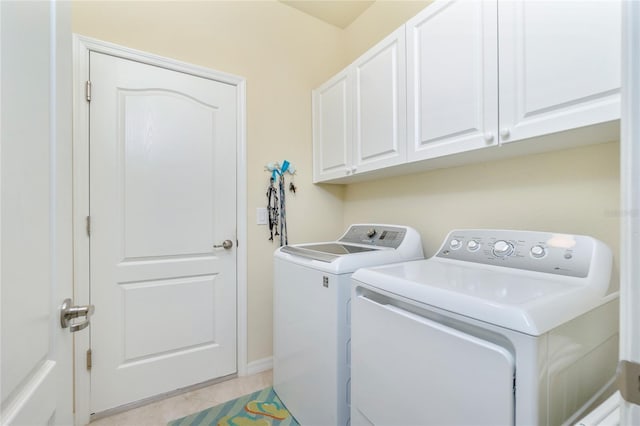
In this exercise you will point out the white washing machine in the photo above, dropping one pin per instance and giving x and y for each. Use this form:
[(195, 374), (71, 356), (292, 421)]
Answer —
[(311, 322), (498, 328)]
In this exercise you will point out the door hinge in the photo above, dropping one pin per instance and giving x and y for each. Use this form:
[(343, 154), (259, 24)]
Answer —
[(628, 376), (88, 90), (88, 226), (89, 359)]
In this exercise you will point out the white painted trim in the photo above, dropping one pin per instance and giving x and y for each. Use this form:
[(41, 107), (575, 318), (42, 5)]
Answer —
[(82, 46), (260, 365), (241, 230), (630, 197), (82, 378), (93, 45)]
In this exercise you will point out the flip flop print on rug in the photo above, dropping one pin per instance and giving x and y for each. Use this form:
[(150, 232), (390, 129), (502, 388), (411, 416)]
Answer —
[(262, 408)]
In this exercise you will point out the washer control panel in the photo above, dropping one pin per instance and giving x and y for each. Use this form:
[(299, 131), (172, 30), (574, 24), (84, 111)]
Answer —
[(375, 235), (560, 254)]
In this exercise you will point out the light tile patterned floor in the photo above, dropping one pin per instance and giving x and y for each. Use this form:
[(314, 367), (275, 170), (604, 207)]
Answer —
[(161, 412)]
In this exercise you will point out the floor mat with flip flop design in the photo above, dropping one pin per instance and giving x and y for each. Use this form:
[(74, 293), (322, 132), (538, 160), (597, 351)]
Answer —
[(262, 408)]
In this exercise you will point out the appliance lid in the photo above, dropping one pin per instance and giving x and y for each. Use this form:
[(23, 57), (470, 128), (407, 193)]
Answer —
[(524, 301), (362, 245), (361, 238), (325, 252)]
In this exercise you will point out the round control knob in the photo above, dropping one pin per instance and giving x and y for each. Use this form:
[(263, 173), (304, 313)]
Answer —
[(538, 251), (502, 248), (473, 245), (455, 244), (371, 232)]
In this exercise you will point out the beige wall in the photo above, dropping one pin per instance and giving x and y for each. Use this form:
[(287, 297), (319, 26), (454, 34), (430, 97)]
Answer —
[(377, 21), (570, 191), (283, 54)]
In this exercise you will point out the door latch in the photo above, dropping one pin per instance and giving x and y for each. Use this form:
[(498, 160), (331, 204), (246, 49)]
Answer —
[(68, 312)]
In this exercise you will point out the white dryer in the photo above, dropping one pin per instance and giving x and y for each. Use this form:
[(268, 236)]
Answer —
[(311, 322), (498, 328)]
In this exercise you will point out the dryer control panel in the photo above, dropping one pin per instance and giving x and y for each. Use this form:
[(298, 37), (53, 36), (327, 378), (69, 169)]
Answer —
[(561, 254)]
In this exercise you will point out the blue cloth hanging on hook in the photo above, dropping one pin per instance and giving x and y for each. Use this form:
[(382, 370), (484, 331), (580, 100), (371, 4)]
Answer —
[(281, 171), (285, 167)]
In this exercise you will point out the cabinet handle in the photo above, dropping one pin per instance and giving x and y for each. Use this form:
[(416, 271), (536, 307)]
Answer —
[(353, 169), (347, 172), (504, 133), (488, 137)]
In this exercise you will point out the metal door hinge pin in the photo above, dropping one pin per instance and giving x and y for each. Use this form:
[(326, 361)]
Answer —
[(88, 90), (89, 359), (88, 226)]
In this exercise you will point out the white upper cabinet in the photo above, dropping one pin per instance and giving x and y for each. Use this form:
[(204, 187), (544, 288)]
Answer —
[(452, 68), (559, 65), (332, 128), (464, 76), (359, 115), (379, 82)]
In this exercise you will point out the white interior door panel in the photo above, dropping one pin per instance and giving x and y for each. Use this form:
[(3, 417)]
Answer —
[(35, 175), (162, 194)]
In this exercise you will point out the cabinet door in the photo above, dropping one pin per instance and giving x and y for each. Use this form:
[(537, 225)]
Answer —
[(332, 129), (379, 80), (559, 65), (452, 78)]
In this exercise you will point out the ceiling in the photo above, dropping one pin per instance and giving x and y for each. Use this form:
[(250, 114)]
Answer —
[(340, 13)]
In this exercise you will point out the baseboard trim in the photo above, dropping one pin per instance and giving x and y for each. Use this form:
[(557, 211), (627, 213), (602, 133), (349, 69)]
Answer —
[(159, 397), (260, 365)]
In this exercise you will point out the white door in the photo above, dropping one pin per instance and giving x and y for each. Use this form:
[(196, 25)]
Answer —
[(380, 105), (36, 262), (452, 78), (162, 197), (559, 65), (332, 128)]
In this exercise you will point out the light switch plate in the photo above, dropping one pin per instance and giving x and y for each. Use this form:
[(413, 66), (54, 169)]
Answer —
[(261, 216)]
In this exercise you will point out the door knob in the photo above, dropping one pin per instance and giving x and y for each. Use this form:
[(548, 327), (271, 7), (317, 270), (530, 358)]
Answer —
[(68, 312), (226, 244)]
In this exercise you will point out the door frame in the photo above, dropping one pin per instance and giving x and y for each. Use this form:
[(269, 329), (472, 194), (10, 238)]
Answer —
[(630, 202), (82, 46)]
